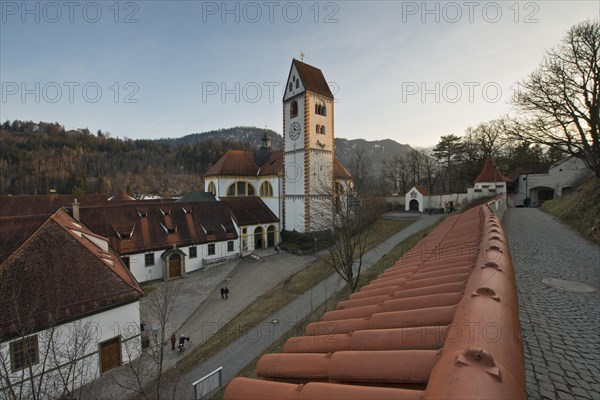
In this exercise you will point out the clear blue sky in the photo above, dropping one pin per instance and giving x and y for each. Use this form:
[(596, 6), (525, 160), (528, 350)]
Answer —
[(408, 70)]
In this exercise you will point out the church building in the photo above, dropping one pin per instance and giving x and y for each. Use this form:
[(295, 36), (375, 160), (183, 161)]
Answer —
[(292, 180)]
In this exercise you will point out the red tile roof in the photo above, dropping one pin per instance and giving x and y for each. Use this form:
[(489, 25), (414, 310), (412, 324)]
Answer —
[(62, 272), (140, 226), (121, 195), (490, 173), (422, 189), (241, 163), (312, 79), (418, 331), (249, 210), (20, 216), (339, 171)]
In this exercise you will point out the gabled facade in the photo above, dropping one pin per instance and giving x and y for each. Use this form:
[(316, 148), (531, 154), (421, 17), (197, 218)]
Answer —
[(68, 306)]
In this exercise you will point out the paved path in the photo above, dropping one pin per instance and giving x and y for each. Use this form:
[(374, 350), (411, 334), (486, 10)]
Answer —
[(201, 311), (561, 329), (251, 344)]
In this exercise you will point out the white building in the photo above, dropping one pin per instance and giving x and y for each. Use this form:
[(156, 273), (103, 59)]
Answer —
[(540, 187), (292, 180), (69, 308), (165, 239), (488, 184)]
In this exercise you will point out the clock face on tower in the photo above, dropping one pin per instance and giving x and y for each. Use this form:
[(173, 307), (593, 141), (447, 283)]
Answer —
[(295, 131)]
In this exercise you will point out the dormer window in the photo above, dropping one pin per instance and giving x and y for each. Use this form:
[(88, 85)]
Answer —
[(143, 214), (186, 210), (124, 232), (169, 230), (165, 211)]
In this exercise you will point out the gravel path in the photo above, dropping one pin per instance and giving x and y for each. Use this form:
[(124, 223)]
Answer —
[(561, 328)]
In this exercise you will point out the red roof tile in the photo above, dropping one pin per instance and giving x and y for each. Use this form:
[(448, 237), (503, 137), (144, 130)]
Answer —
[(404, 330), (490, 173), (249, 210), (240, 163), (61, 272), (312, 78), (422, 189), (140, 226)]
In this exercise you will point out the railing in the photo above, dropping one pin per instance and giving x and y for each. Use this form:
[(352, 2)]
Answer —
[(208, 385)]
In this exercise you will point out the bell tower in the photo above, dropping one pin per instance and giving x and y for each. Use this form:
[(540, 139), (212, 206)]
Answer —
[(308, 146)]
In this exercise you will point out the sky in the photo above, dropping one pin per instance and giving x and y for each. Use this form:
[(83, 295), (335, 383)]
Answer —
[(410, 71)]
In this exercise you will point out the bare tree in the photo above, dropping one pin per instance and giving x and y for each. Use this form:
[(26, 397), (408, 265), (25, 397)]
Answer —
[(144, 373), (559, 103), (55, 361), (352, 215)]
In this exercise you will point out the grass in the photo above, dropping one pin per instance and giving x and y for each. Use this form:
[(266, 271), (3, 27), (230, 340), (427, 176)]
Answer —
[(580, 210), (279, 297)]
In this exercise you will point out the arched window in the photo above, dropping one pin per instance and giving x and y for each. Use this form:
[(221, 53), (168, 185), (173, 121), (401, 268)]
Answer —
[(318, 130), (212, 188), (322, 130), (294, 109), (240, 188), (291, 86), (320, 108), (297, 83), (266, 189), (323, 110)]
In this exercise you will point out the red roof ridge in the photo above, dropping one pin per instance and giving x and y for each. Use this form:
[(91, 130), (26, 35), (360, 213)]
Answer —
[(61, 218)]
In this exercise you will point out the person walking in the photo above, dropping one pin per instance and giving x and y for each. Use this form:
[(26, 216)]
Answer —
[(222, 293), (226, 292), (173, 341)]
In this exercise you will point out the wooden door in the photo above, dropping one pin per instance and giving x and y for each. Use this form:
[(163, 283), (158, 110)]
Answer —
[(174, 266), (110, 354)]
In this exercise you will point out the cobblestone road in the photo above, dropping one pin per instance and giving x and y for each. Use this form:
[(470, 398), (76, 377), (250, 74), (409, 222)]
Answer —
[(561, 329)]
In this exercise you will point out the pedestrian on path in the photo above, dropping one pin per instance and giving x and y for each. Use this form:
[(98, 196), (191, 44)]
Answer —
[(222, 293), (173, 341), (226, 290)]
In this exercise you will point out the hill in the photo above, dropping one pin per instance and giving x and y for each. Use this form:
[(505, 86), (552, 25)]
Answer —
[(580, 209), (376, 150), (36, 158)]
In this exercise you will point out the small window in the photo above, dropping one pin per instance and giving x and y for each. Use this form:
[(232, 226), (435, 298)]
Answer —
[(244, 231), (291, 88), (149, 258), (266, 189), (297, 83), (322, 130), (126, 262), (294, 109), (211, 249), (318, 129), (24, 353), (212, 188), (193, 252), (230, 246)]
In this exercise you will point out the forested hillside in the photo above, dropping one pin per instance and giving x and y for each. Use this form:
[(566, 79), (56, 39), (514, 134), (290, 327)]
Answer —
[(38, 157)]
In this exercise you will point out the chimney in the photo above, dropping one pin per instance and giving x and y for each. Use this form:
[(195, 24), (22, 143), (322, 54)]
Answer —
[(76, 210)]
